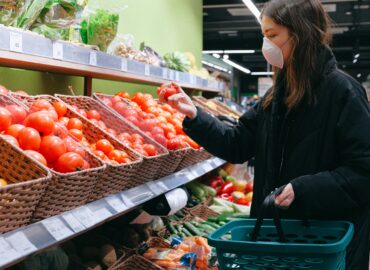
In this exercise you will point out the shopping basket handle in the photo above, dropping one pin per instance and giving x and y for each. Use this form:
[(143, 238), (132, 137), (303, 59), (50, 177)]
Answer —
[(269, 203)]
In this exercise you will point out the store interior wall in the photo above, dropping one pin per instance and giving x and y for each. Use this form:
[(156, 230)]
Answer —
[(164, 25)]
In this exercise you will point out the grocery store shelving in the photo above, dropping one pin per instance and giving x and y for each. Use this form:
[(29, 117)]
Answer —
[(17, 245), (26, 50)]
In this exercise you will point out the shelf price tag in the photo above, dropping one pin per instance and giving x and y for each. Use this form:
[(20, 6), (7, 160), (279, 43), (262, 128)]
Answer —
[(21, 244), (193, 79), (7, 253), (165, 73), (57, 228), (73, 222), (124, 65), (177, 76), (147, 70), (127, 201), (15, 42), (116, 204), (85, 216), (155, 188), (93, 58), (207, 167), (102, 214), (172, 75), (58, 50)]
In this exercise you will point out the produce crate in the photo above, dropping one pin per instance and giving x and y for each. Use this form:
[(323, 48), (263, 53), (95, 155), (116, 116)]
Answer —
[(171, 163), (150, 165), (27, 182), (193, 157), (321, 245), (105, 178)]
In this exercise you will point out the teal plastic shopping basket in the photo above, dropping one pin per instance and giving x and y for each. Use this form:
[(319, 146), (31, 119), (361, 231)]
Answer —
[(274, 244)]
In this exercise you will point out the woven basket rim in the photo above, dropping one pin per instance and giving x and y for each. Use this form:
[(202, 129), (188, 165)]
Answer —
[(98, 103)]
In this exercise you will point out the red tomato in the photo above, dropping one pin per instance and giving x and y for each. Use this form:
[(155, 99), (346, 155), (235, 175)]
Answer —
[(133, 120), (64, 121), (29, 139), (60, 108), (3, 90), (138, 98), (123, 94), (249, 187), (191, 143), (18, 113), (13, 130), (107, 102), (173, 144), (52, 147), (36, 155), (40, 105), (10, 139), (161, 139), (105, 146), (69, 162), (169, 90), (100, 154), (82, 112), (168, 108), (41, 121), (76, 133), (162, 119), (72, 146), (93, 114), (5, 119), (150, 149), (118, 155), (124, 136), (53, 114), (116, 99), (60, 131), (157, 130), (141, 151), (74, 123), (86, 165), (137, 137), (102, 125)]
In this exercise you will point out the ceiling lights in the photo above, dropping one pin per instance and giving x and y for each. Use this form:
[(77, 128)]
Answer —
[(237, 66), (263, 73), (230, 52), (252, 7), (215, 66)]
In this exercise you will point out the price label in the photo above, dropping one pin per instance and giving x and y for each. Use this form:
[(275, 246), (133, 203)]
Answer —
[(172, 75), (127, 201), (117, 204), (207, 167), (58, 50), (21, 244), (155, 188), (93, 58), (193, 79), (16, 43), (124, 65), (190, 175), (162, 185), (147, 70), (57, 228), (177, 76), (85, 216), (73, 222), (165, 73), (7, 252), (102, 214)]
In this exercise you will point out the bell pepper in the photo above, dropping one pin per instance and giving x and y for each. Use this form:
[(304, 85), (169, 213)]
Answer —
[(226, 197), (216, 183), (243, 201), (227, 188)]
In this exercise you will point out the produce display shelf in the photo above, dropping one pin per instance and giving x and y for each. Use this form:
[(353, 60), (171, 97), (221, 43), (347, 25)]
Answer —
[(17, 245), (26, 50)]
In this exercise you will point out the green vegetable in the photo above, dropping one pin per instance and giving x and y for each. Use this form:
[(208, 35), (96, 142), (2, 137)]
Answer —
[(213, 225), (197, 191), (49, 32), (222, 209), (207, 189), (171, 228), (30, 13), (101, 27), (9, 11), (192, 229), (186, 232), (177, 61)]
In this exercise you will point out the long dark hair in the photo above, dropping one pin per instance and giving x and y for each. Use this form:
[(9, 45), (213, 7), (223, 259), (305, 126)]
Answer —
[(309, 28)]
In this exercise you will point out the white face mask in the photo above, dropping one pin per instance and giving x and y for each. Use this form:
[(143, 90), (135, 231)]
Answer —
[(272, 53)]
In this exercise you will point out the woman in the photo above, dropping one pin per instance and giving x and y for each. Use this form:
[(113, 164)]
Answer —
[(310, 132)]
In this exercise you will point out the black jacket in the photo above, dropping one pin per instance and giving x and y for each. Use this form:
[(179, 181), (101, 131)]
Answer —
[(323, 150)]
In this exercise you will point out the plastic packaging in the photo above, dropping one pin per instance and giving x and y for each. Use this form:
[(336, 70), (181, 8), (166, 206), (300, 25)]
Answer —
[(29, 13), (9, 11)]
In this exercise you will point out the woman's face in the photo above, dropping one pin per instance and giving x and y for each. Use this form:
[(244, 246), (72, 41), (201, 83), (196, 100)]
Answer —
[(278, 34)]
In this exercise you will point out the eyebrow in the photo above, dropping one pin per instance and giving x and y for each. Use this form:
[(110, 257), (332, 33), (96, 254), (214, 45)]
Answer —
[(267, 30)]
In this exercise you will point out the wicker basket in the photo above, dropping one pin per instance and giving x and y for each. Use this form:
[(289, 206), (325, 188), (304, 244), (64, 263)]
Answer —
[(202, 210), (226, 108), (150, 165), (193, 157), (137, 262), (27, 180), (171, 163)]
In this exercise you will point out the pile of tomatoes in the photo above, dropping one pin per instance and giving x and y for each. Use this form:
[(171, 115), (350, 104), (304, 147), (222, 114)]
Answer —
[(159, 121), (134, 141)]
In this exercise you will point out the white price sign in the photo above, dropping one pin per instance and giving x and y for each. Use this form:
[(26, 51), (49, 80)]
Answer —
[(57, 228), (85, 216), (116, 204), (21, 244), (102, 214), (193, 79), (7, 253), (177, 76), (147, 70), (16, 43), (58, 50), (73, 222), (127, 201), (165, 73), (93, 58), (172, 75), (124, 65)]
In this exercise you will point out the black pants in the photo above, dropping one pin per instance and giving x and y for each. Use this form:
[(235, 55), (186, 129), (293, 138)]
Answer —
[(358, 250)]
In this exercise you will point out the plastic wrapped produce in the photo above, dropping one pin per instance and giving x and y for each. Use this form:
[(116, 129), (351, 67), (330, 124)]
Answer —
[(9, 11), (29, 13)]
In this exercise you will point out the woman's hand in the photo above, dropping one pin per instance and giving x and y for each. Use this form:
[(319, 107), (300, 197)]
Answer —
[(286, 197), (180, 102)]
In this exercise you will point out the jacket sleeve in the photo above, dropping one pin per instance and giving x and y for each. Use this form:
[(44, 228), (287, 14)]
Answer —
[(235, 144), (346, 188)]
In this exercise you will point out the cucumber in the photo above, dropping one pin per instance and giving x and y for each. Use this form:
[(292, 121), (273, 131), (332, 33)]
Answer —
[(207, 189), (180, 214), (186, 232), (178, 228), (213, 225), (171, 228), (208, 229), (192, 229), (197, 191)]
